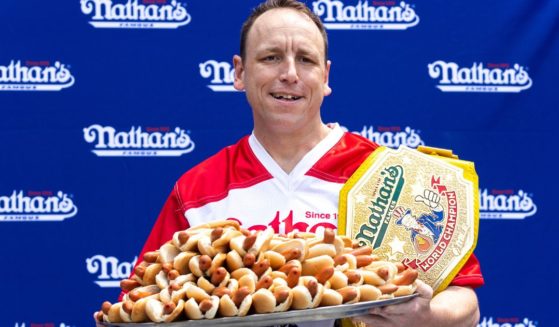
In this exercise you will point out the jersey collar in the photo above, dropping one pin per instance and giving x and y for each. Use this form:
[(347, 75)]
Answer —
[(290, 181)]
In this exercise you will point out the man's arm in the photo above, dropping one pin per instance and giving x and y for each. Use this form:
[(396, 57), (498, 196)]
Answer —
[(454, 307)]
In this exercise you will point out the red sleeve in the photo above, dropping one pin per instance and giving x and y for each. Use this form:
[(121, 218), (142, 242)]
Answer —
[(170, 220), (469, 275)]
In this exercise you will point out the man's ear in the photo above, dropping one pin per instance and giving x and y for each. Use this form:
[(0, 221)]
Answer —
[(327, 89), (239, 83)]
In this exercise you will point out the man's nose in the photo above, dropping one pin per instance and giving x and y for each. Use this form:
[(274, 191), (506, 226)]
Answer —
[(289, 71)]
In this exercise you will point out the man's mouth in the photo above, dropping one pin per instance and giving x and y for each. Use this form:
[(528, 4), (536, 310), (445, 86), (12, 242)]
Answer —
[(284, 96)]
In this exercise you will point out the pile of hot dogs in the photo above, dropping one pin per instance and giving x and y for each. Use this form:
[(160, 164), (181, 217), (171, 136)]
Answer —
[(220, 270)]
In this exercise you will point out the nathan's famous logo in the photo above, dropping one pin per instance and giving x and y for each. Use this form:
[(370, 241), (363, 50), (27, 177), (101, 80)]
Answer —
[(109, 270), (135, 14), (506, 322), (505, 204), (35, 76), (378, 15), (43, 324), (36, 206), (432, 229), (392, 136), (389, 189), (479, 77), (154, 142), (222, 75)]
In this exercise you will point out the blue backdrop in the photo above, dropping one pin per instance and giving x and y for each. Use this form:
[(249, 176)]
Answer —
[(105, 103)]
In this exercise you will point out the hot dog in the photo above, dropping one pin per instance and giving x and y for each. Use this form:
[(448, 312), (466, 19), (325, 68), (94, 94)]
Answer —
[(205, 309), (158, 311), (238, 304), (308, 294)]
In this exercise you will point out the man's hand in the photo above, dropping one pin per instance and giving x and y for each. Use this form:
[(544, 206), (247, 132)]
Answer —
[(416, 312), (430, 198), (454, 307)]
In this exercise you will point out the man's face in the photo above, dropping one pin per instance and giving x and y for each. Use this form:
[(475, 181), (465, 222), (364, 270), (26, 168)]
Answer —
[(284, 72)]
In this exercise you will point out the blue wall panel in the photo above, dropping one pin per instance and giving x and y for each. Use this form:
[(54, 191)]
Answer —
[(175, 80)]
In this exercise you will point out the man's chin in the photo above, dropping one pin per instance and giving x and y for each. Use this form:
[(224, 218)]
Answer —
[(284, 124)]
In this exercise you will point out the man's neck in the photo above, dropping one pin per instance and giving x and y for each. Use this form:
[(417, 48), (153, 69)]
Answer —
[(288, 150)]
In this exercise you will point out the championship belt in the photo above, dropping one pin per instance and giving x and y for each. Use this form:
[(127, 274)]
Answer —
[(419, 207)]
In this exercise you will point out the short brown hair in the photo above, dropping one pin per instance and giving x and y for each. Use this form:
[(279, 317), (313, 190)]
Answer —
[(275, 4)]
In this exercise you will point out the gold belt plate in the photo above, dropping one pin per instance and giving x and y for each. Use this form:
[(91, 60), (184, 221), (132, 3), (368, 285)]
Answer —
[(416, 208)]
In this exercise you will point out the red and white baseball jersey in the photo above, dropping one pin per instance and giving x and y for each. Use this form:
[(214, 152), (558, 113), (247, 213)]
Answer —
[(244, 183)]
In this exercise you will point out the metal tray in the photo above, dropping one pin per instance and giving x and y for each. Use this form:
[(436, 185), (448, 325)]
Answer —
[(278, 318)]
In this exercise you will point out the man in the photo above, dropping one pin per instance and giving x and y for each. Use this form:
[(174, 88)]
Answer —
[(288, 173)]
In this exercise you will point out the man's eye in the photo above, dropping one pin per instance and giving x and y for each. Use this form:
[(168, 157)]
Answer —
[(271, 58), (306, 60)]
